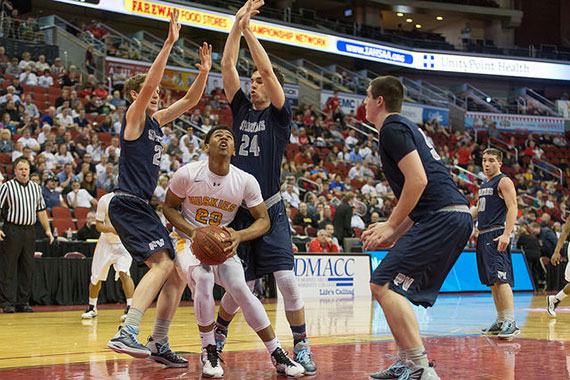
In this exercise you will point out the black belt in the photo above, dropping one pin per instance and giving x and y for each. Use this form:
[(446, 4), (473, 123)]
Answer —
[(19, 225)]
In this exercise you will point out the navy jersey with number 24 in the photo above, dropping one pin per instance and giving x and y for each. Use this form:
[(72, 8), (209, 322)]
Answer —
[(139, 163), (261, 139)]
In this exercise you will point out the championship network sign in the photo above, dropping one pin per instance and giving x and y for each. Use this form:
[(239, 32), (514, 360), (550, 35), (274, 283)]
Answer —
[(333, 275)]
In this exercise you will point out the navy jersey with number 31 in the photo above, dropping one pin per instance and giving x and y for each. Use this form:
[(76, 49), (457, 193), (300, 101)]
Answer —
[(139, 163), (261, 139)]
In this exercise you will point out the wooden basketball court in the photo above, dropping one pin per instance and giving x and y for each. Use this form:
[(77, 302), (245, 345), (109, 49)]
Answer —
[(349, 337)]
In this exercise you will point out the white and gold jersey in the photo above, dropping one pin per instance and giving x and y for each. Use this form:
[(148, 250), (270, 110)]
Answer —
[(210, 199)]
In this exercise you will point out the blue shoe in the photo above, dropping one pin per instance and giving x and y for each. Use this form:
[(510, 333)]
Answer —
[(125, 341), (405, 370), (303, 356), (395, 371), (220, 335), (161, 353), (510, 330)]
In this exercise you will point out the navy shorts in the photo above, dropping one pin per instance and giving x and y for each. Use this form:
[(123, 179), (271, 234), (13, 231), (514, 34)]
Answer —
[(271, 252), (139, 227), (493, 266), (418, 264)]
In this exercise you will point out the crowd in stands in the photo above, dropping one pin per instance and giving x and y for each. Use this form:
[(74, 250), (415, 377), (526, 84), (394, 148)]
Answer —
[(66, 124)]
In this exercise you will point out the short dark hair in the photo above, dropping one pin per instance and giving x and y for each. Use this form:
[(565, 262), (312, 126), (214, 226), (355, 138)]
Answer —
[(391, 89), (494, 152), (133, 84), (217, 128), (278, 73), (22, 159)]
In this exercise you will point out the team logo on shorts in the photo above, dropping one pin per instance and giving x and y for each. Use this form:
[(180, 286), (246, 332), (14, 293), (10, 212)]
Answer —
[(502, 275), (154, 244), (403, 281)]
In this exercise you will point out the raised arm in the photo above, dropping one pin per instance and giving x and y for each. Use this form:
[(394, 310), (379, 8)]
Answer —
[(230, 75), (194, 93), (136, 113), (260, 57)]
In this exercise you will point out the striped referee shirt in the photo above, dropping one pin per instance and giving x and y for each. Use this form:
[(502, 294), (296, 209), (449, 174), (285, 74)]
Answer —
[(22, 201)]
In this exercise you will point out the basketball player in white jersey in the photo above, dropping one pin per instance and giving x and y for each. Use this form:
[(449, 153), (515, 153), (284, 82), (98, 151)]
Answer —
[(553, 301), (109, 251), (210, 193)]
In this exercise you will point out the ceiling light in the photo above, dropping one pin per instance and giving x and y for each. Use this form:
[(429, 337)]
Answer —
[(418, 26), (439, 18), (409, 20), (399, 14)]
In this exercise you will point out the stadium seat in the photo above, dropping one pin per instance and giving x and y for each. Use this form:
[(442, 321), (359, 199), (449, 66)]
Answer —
[(60, 212), (101, 192), (81, 212), (311, 231), (80, 223), (299, 230), (63, 225)]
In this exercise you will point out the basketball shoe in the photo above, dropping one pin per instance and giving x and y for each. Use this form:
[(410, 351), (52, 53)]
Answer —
[(90, 313), (303, 356), (125, 341), (220, 335), (210, 359), (161, 353), (124, 316), (552, 302), (405, 370), (494, 329), (284, 365), (509, 330)]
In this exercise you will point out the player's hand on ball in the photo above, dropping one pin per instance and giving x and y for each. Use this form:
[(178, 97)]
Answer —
[(378, 236), (233, 240)]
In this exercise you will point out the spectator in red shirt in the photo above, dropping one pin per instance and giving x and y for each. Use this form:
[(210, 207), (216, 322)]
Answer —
[(333, 103), (303, 138), (361, 113), (322, 243), (463, 156), (100, 91), (308, 117)]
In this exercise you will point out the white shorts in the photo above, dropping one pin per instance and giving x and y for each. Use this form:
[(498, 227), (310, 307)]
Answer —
[(186, 261), (107, 254), (567, 271)]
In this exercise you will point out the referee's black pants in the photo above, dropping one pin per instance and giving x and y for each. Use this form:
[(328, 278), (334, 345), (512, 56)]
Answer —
[(17, 259)]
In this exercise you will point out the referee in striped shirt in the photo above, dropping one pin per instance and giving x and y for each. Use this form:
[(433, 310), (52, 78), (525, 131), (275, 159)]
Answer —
[(20, 201)]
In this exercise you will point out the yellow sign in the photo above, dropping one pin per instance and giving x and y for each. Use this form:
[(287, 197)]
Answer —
[(290, 36), (187, 16)]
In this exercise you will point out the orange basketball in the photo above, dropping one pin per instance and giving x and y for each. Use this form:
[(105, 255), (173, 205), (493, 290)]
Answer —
[(208, 245)]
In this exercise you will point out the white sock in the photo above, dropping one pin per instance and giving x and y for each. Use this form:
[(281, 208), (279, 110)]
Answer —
[(561, 295), (93, 302), (272, 345), (500, 316), (129, 301), (207, 338), (509, 314)]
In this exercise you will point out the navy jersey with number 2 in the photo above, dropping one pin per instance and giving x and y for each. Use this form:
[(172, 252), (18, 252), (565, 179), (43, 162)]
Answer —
[(261, 139), (139, 163)]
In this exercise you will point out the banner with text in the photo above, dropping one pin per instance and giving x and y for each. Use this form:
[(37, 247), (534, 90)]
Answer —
[(334, 275), (305, 38), (348, 102), (515, 123)]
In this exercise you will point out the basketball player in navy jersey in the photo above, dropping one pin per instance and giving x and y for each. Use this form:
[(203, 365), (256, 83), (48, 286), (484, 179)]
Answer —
[(135, 221), (496, 213), (426, 231), (262, 127)]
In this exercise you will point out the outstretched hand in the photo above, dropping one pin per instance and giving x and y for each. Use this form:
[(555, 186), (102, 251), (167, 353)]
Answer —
[(206, 57), (243, 17), (174, 29)]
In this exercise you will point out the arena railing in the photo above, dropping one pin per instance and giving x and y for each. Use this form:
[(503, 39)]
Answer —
[(549, 168)]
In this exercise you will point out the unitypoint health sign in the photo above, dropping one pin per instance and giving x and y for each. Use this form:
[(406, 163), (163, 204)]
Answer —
[(329, 43)]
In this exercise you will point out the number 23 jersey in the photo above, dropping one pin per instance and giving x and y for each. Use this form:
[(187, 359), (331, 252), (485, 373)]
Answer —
[(261, 139), (210, 199)]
